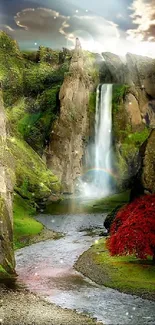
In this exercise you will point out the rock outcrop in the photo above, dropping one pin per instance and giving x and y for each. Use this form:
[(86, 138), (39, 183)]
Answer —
[(148, 164), (138, 72), (7, 261), (133, 113), (71, 131)]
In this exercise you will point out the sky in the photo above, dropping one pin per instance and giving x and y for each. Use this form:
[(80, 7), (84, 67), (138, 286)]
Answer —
[(117, 26)]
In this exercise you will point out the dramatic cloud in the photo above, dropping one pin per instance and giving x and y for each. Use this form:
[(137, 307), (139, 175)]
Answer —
[(119, 26), (96, 33), (144, 18)]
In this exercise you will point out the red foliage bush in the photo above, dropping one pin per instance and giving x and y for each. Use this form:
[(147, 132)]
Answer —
[(133, 229)]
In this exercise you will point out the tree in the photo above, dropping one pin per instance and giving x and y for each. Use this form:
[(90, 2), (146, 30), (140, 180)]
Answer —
[(133, 229)]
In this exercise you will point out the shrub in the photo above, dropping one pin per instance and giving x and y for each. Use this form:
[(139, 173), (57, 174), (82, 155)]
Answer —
[(133, 230), (119, 92)]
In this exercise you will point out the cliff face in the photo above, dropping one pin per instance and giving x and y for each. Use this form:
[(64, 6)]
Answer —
[(148, 165), (133, 110), (139, 73), (71, 130), (7, 262)]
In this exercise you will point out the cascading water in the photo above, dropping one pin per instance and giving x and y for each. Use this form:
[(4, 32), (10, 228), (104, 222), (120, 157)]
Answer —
[(97, 182)]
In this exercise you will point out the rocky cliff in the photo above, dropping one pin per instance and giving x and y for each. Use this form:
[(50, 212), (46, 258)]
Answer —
[(7, 262), (72, 129), (138, 73), (133, 108), (148, 164)]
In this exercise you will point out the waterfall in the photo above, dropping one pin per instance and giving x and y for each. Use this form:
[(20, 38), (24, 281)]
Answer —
[(97, 182)]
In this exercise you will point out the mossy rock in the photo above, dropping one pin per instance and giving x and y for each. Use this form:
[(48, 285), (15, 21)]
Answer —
[(92, 102), (33, 118), (6, 239), (126, 141), (33, 179), (25, 226)]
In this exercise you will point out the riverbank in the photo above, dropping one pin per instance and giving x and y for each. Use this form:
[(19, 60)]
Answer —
[(125, 274), (27, 230), (22, 307)]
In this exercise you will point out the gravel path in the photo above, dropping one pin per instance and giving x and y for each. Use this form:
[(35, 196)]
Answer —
[(21, 307)]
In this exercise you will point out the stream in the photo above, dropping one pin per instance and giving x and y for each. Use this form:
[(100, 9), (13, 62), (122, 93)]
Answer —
[(46, 268)]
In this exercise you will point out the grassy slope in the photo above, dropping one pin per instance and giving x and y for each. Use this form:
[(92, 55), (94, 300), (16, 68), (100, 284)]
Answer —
[(29, 92), (108, 203), (25, 227), (126, 273), (33, 179)]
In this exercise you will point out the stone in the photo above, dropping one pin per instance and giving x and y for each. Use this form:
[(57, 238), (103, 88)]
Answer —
[(133, 112), (7, 261), (71, 131), (139, 73), (148, 165)]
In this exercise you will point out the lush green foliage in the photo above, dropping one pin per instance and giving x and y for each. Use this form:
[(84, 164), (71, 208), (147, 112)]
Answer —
[(11, 69), (42, 76), (48, 55), (137, 138), (33, 117), (30, 56), (119, 92)]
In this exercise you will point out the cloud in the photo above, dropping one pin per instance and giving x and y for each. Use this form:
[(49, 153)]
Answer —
[(43, 26), (60, 30), (39, 19), (143, 17), (7, 28)]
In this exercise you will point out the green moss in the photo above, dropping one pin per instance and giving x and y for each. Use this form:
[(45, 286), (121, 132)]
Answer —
[(2, 270), (25, 227), (92, 102), (11, 69), (16, 113), (26, 123), (41, 76), (119, 92), (4, 275), (124, 273), (36, 127), (91, 66), (108, 203), (33, 118), (29, 168), (128, 141), (137, 138)]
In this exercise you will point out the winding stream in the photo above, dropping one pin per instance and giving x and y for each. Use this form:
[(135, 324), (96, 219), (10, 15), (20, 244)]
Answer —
[(46, 268)]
